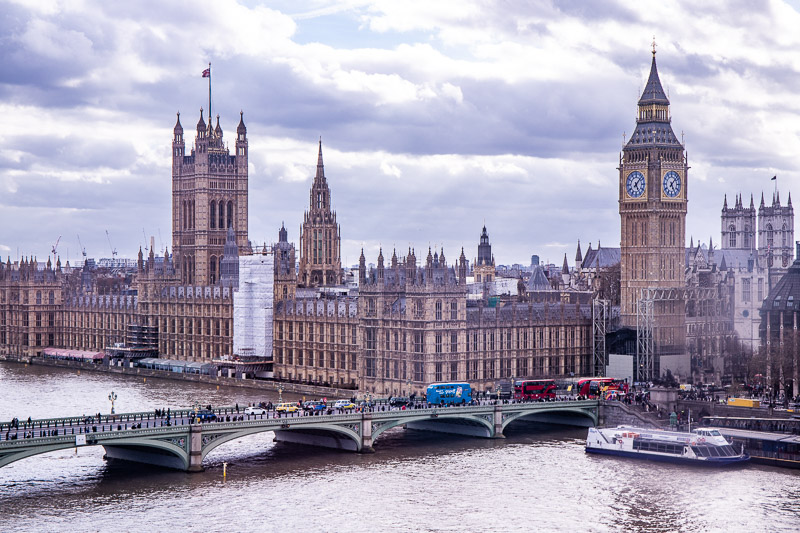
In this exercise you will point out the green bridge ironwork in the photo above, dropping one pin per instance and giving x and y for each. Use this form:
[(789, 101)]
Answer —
[(184, 445)]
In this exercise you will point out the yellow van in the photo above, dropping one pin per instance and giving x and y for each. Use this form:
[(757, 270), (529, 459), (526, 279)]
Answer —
[(286, 407)]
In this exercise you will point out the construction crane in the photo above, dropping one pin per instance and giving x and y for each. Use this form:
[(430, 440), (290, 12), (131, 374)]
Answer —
[(55, 246), (145, 240), (83, 250), (113, 250)]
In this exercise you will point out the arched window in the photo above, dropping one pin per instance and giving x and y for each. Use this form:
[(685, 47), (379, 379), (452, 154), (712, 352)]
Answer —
[(213, 267), (747, 236), (732, 231), (770, 242), (221, 215), (783, 236), (52, 298), (39, 297), (230, 214), (213, 216)]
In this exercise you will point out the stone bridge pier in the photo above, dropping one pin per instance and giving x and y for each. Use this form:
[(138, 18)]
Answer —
[(195, 448)]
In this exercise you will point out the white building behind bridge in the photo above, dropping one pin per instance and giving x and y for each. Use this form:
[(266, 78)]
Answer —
[(253, 306)]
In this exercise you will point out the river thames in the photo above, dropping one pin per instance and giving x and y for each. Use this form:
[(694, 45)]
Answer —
[(537, 479)]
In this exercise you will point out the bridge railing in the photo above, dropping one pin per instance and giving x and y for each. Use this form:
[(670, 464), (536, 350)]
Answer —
[(178, 417), (107, 418)]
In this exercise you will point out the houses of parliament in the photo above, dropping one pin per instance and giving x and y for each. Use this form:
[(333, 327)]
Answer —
[(410, 320)]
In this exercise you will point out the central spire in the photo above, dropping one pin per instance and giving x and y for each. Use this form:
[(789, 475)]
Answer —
[(320, 167), (653, 125), (653, 92)]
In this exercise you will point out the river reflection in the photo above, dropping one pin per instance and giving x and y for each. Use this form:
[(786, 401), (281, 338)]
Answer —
[(539, 478)]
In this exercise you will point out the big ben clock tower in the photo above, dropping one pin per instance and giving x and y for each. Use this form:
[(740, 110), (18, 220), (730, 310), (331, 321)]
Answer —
[(653, 191)]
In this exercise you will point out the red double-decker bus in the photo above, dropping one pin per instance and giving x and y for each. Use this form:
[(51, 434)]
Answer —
[(535, 389), (594, 387)]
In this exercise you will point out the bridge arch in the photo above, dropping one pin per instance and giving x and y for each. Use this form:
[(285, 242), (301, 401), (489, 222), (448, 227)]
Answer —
[(12, 456), (558, 414), (430, 419), (170, 452), (212, 438)]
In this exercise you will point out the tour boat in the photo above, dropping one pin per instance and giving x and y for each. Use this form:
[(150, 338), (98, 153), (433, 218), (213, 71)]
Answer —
[(704, 446)]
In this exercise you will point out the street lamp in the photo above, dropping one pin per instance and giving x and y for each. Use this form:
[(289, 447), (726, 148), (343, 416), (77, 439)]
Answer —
[(280, 392), (112, 397)]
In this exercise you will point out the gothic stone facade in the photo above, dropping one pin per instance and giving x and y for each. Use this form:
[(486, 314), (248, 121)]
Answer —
[(209, 195), (320, 242), (653, 192)]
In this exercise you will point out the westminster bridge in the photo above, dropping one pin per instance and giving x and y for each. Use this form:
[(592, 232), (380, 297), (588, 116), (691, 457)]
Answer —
[(175, 440)]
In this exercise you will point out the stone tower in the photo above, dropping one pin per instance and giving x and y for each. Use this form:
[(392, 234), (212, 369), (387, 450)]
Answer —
[(653, 192), (209, 195), (285, 273), (320, 243), (484, 269), (775, 232), (229, 266), (738, 225)]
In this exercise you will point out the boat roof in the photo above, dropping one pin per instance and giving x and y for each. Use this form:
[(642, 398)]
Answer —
[(652, 432), (761, 435)]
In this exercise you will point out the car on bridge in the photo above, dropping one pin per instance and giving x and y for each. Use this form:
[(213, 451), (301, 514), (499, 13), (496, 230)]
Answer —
[(255, 411), (286, 407), (314, 406), (399, 401), (203, 415), (344, 404)]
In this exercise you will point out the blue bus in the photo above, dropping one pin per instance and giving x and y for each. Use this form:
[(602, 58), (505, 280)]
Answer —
[(449, 393)]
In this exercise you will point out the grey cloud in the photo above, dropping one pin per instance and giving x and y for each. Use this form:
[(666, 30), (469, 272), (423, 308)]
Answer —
[(596, 11)]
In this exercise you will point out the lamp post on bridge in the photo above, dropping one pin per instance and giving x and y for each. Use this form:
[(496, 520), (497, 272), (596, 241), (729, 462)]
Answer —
[(112, 397), (280, 392)]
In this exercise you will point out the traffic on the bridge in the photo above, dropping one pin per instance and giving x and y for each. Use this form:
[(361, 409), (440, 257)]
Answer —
[(444, 395)]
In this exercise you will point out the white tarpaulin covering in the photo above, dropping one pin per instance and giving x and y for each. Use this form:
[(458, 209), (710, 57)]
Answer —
[(252, 306)]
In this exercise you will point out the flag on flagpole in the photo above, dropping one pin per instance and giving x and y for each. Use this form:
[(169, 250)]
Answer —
[(207, 74), (773, 177)]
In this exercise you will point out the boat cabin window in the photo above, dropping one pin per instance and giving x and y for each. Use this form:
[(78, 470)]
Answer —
[(660, 447)]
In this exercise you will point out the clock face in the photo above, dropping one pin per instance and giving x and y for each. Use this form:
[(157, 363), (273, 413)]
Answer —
[(672, 184), (635, 184)]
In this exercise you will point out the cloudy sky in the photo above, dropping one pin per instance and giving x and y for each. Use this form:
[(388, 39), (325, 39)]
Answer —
[(435, 116)]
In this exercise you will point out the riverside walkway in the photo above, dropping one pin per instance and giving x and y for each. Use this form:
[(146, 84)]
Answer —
[(178, 441)]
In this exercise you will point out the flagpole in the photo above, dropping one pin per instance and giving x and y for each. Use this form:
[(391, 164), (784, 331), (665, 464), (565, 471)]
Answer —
[(209, 93)]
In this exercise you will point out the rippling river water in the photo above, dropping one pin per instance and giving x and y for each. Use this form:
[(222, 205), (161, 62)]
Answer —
[(538, 479)]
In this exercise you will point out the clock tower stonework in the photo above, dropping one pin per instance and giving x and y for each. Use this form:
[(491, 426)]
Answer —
[(653, 192)]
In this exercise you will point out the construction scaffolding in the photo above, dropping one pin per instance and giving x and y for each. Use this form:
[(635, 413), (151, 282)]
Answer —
[(600, 323), (644, 337), (647, 324)]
